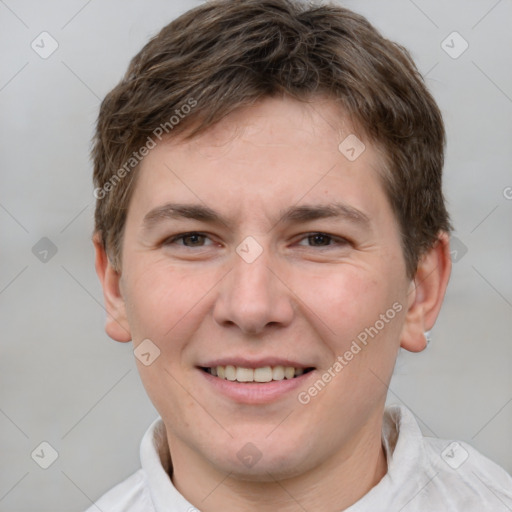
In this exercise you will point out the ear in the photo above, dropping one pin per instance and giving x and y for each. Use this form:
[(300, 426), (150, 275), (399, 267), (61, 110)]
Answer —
[(117, 324), (426, 294)]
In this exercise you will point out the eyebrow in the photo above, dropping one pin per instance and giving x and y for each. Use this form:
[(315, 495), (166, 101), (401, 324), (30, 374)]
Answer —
[(291, 215)]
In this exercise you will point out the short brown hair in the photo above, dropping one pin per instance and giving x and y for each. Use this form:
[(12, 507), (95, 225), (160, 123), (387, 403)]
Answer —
[(227, 54)]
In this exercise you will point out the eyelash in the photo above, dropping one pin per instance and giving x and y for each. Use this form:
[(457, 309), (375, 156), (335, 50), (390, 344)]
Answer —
[(182, 236)]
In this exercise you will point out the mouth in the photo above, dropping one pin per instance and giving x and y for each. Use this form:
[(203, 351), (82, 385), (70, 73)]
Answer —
[(261, 375), (255, 382)]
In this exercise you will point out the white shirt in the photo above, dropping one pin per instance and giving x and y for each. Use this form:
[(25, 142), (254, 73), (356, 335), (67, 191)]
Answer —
[(424, 475)]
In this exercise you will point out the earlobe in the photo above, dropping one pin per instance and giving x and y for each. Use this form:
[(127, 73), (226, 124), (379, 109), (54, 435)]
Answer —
[(116, 324), (426, 294)]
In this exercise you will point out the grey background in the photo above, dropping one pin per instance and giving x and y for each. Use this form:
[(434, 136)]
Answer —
[(63, 381)]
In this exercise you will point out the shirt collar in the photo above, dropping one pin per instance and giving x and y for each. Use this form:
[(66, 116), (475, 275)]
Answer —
[(409, 467)]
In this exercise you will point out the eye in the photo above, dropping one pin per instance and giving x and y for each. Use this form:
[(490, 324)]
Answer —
[(196, 239), (323, 240), (192, 239)]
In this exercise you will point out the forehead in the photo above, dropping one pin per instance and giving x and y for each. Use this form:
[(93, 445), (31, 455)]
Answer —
[(275, 124), (263, 158)]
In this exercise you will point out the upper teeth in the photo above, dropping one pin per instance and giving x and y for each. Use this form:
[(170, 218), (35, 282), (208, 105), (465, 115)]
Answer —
[(263, 374)]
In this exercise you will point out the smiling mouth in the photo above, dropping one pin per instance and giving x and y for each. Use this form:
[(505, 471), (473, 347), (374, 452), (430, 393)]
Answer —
[(261, 375)]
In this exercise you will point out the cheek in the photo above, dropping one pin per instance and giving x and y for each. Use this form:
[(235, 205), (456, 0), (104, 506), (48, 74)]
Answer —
[(359, 314), (152, 299), (346, 300), (161, 298)]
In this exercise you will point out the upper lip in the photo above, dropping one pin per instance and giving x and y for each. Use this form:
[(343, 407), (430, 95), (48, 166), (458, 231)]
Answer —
[(253, 363)]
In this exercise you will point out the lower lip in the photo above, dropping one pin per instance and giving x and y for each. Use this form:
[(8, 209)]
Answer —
[(255, 392)]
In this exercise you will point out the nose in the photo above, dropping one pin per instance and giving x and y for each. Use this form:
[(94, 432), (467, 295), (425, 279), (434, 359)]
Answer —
[(254, 297)]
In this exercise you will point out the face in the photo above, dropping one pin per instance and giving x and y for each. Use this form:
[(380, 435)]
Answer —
[(260, 246)]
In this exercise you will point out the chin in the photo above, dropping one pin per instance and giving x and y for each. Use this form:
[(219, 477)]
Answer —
[(268, 465)]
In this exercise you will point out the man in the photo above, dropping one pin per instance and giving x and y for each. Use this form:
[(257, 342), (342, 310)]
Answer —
[(270, 230)]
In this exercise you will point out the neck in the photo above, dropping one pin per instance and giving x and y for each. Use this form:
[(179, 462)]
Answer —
[(336, 484)]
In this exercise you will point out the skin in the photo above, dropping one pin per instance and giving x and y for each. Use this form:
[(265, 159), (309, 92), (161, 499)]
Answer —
[(299, 300)]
